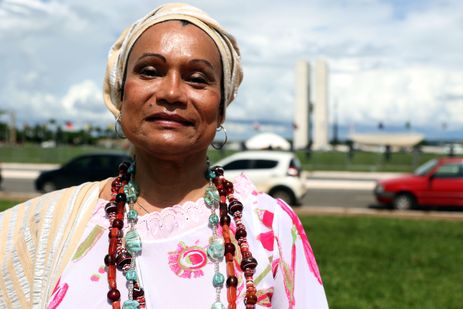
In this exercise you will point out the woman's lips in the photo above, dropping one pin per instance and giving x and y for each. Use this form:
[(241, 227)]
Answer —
[(168, 119)]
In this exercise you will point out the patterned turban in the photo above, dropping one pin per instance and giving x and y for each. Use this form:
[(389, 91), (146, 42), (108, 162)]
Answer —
[(119, 53)]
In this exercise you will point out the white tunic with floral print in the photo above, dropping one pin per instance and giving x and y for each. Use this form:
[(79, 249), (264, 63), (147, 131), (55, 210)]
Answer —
[(174, 269)]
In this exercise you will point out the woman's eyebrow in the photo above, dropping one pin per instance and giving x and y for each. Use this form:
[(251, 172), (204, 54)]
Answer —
[(147, 55), (203, 61)]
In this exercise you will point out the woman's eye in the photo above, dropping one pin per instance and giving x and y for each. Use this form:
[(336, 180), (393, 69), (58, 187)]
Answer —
[(199, 79), (148, 71)]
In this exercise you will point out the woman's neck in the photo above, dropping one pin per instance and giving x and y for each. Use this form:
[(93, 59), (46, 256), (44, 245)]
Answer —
[(164, 183)]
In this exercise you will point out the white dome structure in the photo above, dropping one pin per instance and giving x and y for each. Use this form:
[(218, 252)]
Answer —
[(267, 141)]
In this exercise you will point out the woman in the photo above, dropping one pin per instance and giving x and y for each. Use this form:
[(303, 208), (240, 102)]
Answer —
[(179, 234)]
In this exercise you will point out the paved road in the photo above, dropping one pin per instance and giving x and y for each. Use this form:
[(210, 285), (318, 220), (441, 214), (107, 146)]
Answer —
[(326, 189), (350, 198), (320, 194), (329, 193)]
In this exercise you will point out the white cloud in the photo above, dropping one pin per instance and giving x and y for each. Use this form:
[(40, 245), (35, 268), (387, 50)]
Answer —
[(390, 61)]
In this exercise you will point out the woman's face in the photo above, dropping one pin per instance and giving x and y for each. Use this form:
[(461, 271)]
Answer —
[(172, 91)]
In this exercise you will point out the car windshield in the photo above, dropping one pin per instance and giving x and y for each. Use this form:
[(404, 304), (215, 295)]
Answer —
[(425, 168)]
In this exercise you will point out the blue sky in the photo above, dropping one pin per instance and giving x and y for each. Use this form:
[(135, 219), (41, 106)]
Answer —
[(390, 61)]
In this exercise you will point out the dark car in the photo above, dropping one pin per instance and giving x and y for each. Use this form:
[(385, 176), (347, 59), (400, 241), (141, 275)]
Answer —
[(438, 182), (89, 167)]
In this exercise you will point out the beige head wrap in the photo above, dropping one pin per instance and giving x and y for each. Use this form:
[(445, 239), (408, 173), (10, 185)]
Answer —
[(119, 53)]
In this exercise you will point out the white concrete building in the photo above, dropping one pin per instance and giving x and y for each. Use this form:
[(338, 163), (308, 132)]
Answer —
[(301, 133), (320, 106)]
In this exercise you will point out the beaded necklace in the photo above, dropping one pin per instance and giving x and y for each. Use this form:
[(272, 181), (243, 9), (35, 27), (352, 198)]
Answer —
[(124, 250)]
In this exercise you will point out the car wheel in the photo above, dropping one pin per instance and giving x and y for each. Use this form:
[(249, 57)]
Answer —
[(284, 194), (404, 201), (48, 187)]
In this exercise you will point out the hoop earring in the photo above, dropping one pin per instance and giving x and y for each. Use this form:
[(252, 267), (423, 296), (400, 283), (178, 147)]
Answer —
[(220, 146), (118, 127)]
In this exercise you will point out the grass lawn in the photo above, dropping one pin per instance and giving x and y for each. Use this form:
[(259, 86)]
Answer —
[(324, 160), (4, 204), (388, 263)]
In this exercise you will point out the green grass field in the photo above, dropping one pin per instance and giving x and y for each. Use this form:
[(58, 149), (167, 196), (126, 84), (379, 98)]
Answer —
[(388, 263), (385, 263), (5, 204), (329, 160), (31, 153)]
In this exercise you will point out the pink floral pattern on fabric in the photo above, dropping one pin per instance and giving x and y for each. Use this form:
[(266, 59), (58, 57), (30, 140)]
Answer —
[(58, 295), (307, 248), (96, 277), (188, 261), (264, 297), (267, 238)]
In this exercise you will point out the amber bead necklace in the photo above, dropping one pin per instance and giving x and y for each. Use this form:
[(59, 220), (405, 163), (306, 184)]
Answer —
[(124, 249)]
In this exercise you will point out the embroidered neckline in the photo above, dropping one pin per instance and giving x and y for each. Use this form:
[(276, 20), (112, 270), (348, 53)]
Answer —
[(168, 222), (174, 220)]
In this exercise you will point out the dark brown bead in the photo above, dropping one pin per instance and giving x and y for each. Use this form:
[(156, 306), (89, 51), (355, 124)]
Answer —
[(225, 220), (138, 292), (125, 178), (121, 198), (118, 224), (235, 206), (123, 258), (110, 208), (123, 167), (232, 281), (109, 260), (240, 233), (250, 299), (248, 263), (114, 295), (218, 170), (230, 248)]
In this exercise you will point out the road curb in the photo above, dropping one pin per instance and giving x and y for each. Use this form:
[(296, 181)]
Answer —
[(382, 213)]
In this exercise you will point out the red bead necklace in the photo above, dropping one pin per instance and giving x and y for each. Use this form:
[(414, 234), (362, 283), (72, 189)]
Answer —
[(120, 258)]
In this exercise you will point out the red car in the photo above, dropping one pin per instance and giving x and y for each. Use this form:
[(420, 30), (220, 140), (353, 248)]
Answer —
[(438, 182)]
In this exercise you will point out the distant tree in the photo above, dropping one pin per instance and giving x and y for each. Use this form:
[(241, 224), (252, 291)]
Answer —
[(59, 137)]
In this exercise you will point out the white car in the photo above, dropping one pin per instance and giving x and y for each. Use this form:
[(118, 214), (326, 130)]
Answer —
[(277, 173)]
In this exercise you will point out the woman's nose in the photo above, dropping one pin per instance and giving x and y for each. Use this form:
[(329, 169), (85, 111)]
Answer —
[(171, 89)]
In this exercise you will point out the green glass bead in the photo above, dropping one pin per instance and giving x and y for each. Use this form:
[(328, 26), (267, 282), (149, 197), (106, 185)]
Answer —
[(131, 304), (210, 174), (218, 280), (133, 241), (211, 197), (218, 305), (131, 275), (131, 170), (216, 250), (132, 214), (213, 219), (131, 191)]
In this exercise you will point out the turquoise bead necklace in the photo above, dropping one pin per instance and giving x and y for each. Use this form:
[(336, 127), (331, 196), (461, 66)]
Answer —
[(124, 250)]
